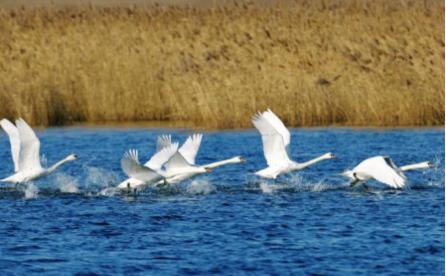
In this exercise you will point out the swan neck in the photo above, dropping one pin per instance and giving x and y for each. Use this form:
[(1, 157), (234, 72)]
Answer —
[(313, 161), (57, 164), (220, 163), (417, 166)]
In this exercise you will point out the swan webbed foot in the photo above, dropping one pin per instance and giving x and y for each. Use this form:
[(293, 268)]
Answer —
[(354, 183)]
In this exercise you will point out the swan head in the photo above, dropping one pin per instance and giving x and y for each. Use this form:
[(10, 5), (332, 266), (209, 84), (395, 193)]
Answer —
[(71, 157), (237, 159), (329, 155), (349, 174)]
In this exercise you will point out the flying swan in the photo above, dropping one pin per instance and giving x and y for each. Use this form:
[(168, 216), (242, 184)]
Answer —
[(182, 165), (276, 141), (25, 150), (384, 170), (149, 173), (179, 163)]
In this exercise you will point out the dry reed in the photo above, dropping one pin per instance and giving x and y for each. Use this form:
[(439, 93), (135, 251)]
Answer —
[(358, 63)]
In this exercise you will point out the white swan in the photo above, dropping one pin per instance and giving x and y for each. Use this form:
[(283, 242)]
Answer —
[(149, 173), (384, 170), (182, 165), (25, 150), (276, 141)]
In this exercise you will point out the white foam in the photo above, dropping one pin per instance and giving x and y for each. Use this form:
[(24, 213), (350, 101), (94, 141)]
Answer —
[(100, 178), (67, 184), (111, 191), (31, 191), (200, 187), (295, 183), (320, 187), (269, 188)]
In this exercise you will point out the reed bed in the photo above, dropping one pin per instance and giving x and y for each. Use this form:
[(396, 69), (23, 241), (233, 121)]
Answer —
[(315, 63)]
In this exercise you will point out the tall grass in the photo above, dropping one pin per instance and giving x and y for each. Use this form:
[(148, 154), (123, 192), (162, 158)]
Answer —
[(359, 63)]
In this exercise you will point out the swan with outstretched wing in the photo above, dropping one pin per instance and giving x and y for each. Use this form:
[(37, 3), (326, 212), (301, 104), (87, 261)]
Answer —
[(25, 152), (276, 141), (384, 170), (149, 173)]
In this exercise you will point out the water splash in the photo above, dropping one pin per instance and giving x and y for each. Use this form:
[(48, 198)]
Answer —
[(320, 187), (66, 183), (31, 191), (295, 183), (99, 179), (270, 188), (200, 187), (109, 192)]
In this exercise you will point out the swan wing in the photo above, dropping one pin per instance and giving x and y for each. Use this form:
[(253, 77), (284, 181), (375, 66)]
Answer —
[(274, 142), (177, 163), (278, 125), (14, 140), (161, 157), (190, 148), (29, 157), (131, 166), (163, 141), (384, 170)]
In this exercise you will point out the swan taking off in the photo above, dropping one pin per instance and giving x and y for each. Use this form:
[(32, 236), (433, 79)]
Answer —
[(276, 141), (149, 173), (25, 150), (182, 165), (384, 170)]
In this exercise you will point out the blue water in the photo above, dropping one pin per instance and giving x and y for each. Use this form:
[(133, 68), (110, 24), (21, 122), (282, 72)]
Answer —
[(228, 221)]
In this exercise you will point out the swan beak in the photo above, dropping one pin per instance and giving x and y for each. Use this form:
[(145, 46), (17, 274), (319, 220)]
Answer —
[(209, 170), (431, 165), (242, 159)]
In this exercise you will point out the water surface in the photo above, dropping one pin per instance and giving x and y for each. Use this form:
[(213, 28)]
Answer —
[(227, 221)]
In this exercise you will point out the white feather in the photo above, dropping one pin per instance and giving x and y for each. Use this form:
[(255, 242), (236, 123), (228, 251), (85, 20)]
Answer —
[(161, 157), (382, 169), (190, 148), (274, 138), (131, 166), (14, 140), (276, 141), (29, 156)]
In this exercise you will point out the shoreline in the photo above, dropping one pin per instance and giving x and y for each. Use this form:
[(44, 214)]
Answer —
[(180, 126)]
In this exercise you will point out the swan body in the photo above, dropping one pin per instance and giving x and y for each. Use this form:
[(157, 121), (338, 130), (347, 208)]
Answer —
[(182, 165), (25, 150), (276, 141), (382, 169), (208, 168), (149, 173)]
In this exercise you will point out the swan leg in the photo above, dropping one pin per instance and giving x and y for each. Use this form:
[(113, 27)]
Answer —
[(355, 183), (163, 184)]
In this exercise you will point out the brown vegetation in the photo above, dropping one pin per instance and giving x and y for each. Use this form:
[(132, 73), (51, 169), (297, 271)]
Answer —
[(368, 63)]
